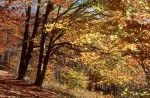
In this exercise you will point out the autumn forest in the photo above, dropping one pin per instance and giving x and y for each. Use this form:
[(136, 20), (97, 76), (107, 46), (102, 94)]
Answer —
[(75, 48)]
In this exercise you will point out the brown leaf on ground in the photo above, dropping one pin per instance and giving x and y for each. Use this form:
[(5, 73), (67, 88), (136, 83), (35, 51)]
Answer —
[(11, 88)]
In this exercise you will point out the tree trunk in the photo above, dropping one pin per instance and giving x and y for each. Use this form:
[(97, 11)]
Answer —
[(40, 70), (31, 43), (21, 72), (40, 79)]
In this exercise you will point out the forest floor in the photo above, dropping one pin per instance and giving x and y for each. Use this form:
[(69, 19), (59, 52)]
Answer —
[(11, 88)]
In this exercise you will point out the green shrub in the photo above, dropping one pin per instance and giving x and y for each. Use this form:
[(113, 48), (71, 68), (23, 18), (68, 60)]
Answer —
[(73, 78)]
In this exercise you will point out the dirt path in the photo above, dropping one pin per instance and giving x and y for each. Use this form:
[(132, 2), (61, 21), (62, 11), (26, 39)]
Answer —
[(11, 88)]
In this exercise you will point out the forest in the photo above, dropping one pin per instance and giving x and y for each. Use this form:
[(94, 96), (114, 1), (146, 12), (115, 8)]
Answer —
[(79, 48)]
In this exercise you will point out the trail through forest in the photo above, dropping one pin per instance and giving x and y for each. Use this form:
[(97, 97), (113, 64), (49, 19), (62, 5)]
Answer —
[(11, 88)]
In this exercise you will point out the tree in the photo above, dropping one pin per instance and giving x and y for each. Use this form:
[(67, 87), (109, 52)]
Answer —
[(22, 67), (43, 62), (56, 32), (9, 28), (28, 42), (130, 25)]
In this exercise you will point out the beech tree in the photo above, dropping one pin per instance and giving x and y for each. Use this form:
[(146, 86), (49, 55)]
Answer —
[(41, 21), (54, 31), (22, 66)]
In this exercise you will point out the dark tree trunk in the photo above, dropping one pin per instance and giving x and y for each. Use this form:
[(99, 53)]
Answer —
[(51, 49), (31, 43), (41, 63), (42, 68), (22, 70), (41, 75)]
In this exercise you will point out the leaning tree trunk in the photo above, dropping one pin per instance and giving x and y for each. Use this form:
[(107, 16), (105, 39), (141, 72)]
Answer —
[(51, 49), (41, 73), (22, 70), (40, 62), (42, 44)]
